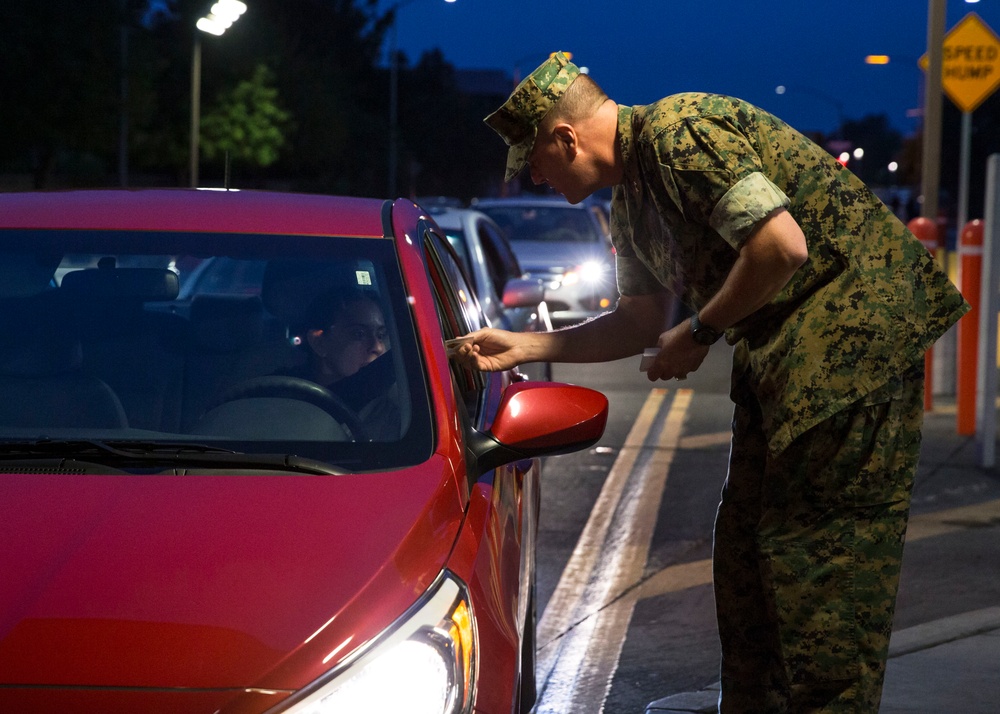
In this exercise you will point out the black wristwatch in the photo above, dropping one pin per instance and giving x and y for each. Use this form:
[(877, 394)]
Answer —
[(703, 334)]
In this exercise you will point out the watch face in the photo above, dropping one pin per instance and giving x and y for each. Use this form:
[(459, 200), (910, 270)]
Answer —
[(704, 336), (702, 333)]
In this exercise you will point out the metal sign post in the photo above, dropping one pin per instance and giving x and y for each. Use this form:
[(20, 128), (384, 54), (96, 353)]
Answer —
[(970, 72), (986, 378)]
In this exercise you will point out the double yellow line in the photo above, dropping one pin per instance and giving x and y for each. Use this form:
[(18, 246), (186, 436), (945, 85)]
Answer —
[(586, 621)]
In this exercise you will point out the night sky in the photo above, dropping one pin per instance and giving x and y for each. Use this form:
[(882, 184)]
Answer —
[(642, 50)]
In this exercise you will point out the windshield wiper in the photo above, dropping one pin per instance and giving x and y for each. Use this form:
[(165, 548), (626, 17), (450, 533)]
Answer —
[(143, 453)]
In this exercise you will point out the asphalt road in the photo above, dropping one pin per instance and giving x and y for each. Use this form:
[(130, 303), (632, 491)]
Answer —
[(626, 611)]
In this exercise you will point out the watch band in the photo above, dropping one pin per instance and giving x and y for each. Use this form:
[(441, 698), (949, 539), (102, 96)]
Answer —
[(704, 334)]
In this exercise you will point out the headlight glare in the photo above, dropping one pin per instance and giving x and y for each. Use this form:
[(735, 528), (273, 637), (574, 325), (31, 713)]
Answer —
[(424, 664), (419, 678), (591, 271)]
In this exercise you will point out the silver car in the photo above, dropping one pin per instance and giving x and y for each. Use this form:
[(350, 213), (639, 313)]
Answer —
[(568, 246), (509, 298)]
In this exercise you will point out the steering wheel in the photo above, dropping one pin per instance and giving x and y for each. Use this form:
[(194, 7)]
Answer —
[(296, 388)]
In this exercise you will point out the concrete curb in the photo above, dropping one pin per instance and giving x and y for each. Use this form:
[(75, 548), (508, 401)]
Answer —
[(904, 642)]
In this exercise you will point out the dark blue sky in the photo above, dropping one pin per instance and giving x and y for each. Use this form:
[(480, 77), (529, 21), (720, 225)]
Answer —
[(642, 50)]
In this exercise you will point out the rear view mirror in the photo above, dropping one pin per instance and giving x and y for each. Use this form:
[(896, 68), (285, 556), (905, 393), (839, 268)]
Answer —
[(523, 292)]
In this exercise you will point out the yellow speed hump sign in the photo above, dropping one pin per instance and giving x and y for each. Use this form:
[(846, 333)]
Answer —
[(970, 62)]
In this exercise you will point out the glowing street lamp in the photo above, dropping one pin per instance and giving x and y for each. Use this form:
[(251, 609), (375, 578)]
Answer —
[(219, 19), (881, 60)]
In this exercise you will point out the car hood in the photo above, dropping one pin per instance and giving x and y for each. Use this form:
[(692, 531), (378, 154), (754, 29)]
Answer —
[(195, 581), (556, 257)]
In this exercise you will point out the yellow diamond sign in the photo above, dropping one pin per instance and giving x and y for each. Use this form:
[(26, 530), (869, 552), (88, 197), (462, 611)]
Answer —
[(970, 63)]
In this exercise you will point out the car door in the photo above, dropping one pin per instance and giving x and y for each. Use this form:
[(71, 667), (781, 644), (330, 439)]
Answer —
[(509, 494)]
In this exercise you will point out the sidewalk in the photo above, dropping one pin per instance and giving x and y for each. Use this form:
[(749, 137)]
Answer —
[(947, 665)]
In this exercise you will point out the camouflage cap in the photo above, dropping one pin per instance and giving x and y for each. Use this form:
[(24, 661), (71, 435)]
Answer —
[(517, 120)]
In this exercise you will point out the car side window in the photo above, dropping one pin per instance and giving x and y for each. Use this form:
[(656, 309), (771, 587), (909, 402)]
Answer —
[(458, 310)]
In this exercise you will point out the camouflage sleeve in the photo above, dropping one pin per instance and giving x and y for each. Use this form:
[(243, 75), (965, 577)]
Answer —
[(703, 162), (751, 200)]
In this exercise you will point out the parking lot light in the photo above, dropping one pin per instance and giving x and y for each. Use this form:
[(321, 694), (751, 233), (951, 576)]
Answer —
[(222, 15), (219, 19)]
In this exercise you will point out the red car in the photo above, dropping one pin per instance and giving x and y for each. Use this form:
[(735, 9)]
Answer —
[(208, 507)]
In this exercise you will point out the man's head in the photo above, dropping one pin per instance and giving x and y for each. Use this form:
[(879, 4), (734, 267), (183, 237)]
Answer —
[(567, 135), (517, 120)]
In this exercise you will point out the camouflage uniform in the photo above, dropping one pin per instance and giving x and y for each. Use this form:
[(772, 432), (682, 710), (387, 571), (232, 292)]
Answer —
[(828, 401), (826, 430)]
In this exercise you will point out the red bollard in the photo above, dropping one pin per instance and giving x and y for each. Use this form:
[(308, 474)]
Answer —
[(970, 254), (928, 233)]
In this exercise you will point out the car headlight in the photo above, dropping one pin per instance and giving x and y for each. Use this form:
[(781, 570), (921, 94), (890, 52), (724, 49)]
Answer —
[(425, 663), (590, 272)]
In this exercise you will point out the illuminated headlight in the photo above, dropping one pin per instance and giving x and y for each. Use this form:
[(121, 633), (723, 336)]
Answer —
[(424, 664), (590, 272)]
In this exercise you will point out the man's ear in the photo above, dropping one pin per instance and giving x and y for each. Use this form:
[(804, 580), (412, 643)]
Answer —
[(565, 135)]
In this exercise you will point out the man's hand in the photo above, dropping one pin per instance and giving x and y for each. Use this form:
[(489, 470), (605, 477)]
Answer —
[(492, 350), (679, 354)]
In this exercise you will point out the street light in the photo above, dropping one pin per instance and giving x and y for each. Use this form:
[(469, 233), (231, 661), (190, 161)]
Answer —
[(394, 94), (880, 60), (222, 15)]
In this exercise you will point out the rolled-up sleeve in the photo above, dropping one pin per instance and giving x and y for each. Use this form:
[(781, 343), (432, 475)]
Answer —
[(752, 199)]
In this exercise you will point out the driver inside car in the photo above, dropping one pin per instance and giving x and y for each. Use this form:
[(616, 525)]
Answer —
[(346, 332), (348, 353)]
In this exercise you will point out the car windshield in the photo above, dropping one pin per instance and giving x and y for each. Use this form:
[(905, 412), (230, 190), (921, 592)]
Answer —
[(552, 224), (208, 350)]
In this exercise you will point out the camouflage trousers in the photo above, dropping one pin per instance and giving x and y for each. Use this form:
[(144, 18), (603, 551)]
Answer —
[(807, 554)]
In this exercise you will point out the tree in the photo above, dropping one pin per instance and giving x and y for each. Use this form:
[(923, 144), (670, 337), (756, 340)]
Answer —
[(247, 123), (446, 147), (316, 120)]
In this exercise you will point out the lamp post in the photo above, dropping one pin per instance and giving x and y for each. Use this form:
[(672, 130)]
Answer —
[(394, 95), (222, 15)]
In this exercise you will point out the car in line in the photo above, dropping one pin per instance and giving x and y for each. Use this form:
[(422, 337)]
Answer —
[(568, 246), (191, 524), (510, 299)]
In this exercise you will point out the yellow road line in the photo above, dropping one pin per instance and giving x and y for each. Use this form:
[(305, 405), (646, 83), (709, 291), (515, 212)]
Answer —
[(586, 621), (586, 631)]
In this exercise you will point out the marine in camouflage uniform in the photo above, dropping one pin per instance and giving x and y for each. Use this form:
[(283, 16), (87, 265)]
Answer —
[(827, 380)]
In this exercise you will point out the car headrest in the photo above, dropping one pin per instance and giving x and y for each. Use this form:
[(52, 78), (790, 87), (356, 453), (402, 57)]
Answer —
[(140, 284)]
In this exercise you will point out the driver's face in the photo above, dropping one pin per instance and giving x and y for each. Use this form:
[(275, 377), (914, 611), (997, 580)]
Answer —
[(356, 337)]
